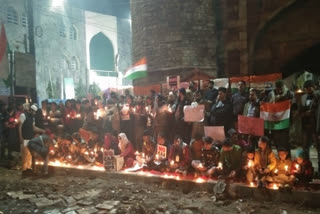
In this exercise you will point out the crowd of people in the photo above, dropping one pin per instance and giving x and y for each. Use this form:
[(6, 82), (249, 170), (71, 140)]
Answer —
[(151, 132)]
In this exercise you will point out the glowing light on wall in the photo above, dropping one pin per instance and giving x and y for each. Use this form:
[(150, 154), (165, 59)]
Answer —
[(57, 3)]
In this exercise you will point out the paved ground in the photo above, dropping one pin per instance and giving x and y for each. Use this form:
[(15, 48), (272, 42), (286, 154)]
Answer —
[(108, 194)]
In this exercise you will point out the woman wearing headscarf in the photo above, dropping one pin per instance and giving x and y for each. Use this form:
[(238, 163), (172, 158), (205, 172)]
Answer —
[(127, 150)]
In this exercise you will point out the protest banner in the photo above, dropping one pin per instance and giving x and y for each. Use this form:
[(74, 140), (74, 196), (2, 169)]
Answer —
[(250, 125), (162, 152), (193, 113), (216, 132)]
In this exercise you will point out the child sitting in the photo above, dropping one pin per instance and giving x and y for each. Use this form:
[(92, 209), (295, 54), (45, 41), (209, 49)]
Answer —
[(179, 156), (302, 168), (248, 166), (209, 158), (282, 172)]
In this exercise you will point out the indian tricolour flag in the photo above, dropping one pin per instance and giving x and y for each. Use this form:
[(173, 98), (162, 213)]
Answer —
[(138, 70), (276, 115), (4, 65)]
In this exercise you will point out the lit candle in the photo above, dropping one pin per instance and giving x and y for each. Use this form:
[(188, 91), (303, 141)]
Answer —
[(49, 117), (101, 149), (134, 110), (157, 156), (170, 109), (250, 164), (276, 171), (137, 153), (286, 167), (68, 115), (69, 157), (275, 186), (147, 108), (200, 165), (251, 184), (177, 158), (15, 120), (78, 116), (172, 163), (86, 153), (220, 165), (143, 155), (297, 166), (52, 152)]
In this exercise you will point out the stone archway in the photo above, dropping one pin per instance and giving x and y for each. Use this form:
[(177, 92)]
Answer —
[(101, 53), (279, 38), (307, 60)]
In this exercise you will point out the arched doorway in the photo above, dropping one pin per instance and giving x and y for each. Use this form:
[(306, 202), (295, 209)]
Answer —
[(307, 60), (101, 53)]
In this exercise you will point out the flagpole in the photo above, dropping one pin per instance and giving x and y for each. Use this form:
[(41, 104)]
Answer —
[(12, 74)]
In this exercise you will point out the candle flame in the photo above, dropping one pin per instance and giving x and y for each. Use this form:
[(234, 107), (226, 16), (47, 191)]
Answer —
[(200, 180), (220, 165), (297, 166), (251, 184), (276, 170), (172, 162), (286, 167), (275, 186)]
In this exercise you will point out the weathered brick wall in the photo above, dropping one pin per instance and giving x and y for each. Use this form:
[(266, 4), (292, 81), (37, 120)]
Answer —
[(176, 37), (260, 37)]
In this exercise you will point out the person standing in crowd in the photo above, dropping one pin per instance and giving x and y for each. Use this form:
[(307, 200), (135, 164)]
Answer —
[(221, 111), (126, 118), (11, 128), (238, 100), (197, 127), (139, 123), (182, 128), (27, 130), (252, 107), (279, 94), (309, 106), (211, 94), (162, 118)]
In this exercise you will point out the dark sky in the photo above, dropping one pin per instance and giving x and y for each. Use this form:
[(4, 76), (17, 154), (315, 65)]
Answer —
[(119, 8)]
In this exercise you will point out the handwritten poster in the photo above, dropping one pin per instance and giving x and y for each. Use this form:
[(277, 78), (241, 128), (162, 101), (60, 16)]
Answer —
[(193, 113), (216, 132), (251, 125), (161, 152)]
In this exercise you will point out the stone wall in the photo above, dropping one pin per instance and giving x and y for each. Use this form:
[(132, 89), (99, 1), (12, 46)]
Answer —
[(176, 37), (260, 37), (17, 34), (54, 53)]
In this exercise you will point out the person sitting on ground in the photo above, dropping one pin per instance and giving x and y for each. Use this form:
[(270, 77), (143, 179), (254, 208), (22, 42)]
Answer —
[(149, 146), (127, 150), (179, 156), (282, 172), (158, 161), (302, 168), (196, 146), (230, 160), (208, 161), (236, 138), (111, 142), (248, 167), (39, 147), (264, 160)]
